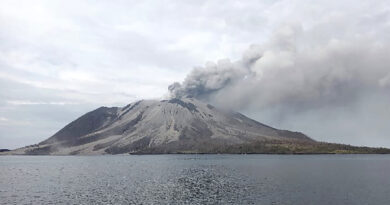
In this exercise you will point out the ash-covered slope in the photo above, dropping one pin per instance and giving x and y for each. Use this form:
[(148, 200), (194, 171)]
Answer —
[(169, 126)]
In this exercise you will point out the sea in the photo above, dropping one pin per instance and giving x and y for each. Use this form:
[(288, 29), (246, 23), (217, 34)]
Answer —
[(195, 179)]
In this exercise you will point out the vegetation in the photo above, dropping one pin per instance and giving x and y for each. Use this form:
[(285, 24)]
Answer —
[(294, 147), (267, 147)]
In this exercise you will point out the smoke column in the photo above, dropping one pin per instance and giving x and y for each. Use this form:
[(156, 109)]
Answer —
[(291, 82)]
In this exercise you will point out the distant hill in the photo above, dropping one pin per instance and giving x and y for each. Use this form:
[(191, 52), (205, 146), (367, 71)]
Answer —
[(177, 126), (4, 150)]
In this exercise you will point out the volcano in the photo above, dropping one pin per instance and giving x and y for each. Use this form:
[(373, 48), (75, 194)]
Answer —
[(176, 126)]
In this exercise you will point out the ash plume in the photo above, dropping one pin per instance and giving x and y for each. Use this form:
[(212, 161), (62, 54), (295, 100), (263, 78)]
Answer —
[(292, 76), (285, 72)]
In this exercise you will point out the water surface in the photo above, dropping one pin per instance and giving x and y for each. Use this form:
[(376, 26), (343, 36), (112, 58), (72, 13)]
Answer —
[(195, 179)]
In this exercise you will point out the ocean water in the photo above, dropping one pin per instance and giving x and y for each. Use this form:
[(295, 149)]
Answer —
[(195, 179)]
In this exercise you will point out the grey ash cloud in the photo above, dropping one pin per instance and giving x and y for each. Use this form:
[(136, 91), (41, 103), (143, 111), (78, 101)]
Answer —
[(287, 72), (335, 88), (202, 82)]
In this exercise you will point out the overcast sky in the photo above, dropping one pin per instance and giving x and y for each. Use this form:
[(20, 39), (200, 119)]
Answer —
[(61, 59)]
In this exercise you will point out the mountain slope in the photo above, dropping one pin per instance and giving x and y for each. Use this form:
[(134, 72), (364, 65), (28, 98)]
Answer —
[(170, 126)]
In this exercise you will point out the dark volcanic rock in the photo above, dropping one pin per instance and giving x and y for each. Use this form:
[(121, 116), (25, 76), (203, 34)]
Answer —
[(86, 124)]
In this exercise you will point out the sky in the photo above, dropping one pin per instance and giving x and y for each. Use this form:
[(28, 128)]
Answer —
[(321, 68)]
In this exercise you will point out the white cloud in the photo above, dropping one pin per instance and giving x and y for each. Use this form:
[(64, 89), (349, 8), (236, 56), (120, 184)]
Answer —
[(108, 53), (21, 102)]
